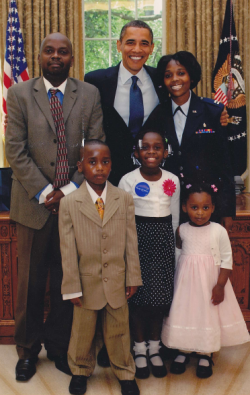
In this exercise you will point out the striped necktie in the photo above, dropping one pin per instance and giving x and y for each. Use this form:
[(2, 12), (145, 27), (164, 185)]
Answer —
[(100, 207), (62, 164)]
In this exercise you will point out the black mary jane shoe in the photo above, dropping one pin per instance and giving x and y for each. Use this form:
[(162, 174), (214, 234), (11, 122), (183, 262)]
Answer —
[(129, 387), (61, 362), (142, 373), (26, 368), (203, 372), (78, 385), (179, 367), (158, 371), (103, 358)]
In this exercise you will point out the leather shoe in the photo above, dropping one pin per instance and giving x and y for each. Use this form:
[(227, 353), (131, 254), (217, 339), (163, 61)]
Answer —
[(158, 371), (179, 367), (129, 387), (103, 358), (203, 372), (78, 385), (141, 373), (26, 368), (61, 362)]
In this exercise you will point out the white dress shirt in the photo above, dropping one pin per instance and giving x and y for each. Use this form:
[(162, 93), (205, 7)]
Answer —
[(122, 96), (179, 118), (156, 203), (94, 197)]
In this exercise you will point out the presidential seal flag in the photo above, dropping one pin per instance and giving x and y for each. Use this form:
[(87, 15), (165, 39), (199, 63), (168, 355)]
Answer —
[(15, 65), (229, 88)]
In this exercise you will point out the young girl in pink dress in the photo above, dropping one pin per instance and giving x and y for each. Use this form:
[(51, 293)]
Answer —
[(204, 314)]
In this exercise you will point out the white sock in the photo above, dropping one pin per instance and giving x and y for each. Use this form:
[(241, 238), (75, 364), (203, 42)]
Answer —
[(140, 348), (180, 358), (204, 362), (153, 348)]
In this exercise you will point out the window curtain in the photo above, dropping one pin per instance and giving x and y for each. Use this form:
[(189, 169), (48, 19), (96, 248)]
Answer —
[(37, 19), (195, 26)]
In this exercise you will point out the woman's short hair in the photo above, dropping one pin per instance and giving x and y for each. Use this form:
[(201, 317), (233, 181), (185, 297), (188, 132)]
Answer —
[(186, 59)]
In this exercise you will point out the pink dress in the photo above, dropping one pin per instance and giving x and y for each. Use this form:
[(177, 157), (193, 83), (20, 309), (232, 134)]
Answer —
[(194, 323)]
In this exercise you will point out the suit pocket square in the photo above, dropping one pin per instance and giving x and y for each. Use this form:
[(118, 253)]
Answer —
[(205, 131)]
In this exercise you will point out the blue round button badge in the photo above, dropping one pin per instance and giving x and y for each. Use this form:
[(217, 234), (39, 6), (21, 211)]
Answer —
[(142, 189)]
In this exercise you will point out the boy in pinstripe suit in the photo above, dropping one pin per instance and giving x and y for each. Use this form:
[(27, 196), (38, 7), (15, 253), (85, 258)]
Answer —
[(101, 268)]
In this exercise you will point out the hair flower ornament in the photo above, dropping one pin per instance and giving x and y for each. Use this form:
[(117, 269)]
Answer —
[(214, 188), (188, 186), (169, 187)]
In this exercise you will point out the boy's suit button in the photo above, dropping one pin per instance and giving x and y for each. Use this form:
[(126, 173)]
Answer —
[(104, 236), (105, 251), (55, 141), (105, 279), (181, 168), (179, 152), (105, 265), (52, 163)]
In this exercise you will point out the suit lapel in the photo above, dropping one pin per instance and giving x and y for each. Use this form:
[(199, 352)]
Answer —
[(42, 100), (111, 205), (87, 206), (69, 98), (110, 85), (193, 118)]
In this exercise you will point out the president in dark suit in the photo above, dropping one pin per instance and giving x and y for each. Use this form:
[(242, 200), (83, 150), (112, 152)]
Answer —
[(48, 117), (115, 84)]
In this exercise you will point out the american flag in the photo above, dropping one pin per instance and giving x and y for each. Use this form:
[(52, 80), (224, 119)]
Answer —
[(15, 65)]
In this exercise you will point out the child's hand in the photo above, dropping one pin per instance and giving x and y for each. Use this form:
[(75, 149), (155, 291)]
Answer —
[(217, 294), (76, 301), (130, 291)]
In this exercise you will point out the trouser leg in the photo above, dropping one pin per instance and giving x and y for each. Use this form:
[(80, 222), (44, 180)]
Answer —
[(115, 323), (32, 274), (81, 353), (59, 321)]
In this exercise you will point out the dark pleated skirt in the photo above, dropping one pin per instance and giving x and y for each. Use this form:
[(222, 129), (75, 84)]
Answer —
[(157, 254)]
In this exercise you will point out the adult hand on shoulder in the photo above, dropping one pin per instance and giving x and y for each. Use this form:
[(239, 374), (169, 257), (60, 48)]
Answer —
[(52, 201), (76, 301), (224, 117), (130, 291), (217, 294), (227, 222)]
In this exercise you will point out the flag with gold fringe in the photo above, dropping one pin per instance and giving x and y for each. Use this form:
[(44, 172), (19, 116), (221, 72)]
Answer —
[(229, 88)]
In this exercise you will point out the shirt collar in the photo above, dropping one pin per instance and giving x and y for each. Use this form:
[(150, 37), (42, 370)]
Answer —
[(125, 75), (94, 195), (184, 107), (49, 86)]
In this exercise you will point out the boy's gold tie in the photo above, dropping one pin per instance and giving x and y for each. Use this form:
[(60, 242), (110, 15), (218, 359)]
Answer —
[(100, 207)]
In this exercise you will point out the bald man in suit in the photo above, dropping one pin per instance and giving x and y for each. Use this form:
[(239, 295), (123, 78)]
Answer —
[(32, 149)]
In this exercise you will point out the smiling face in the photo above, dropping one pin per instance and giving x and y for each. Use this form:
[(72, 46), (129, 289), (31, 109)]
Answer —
[(135, 47), (199, 208), (55, 57), (151, 152), (95, 165), (177, 81)]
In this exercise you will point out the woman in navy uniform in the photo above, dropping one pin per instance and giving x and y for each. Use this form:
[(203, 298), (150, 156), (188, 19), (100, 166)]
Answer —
[(198, 147)]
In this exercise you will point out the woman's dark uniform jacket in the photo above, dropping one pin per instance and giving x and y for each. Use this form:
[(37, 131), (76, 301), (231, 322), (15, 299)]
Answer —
[(203, 153)]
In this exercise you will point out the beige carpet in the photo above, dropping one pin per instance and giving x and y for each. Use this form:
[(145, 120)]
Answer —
[(231, 377)]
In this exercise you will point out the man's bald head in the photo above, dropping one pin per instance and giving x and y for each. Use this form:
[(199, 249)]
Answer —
[(56, 36), (55, 58)]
